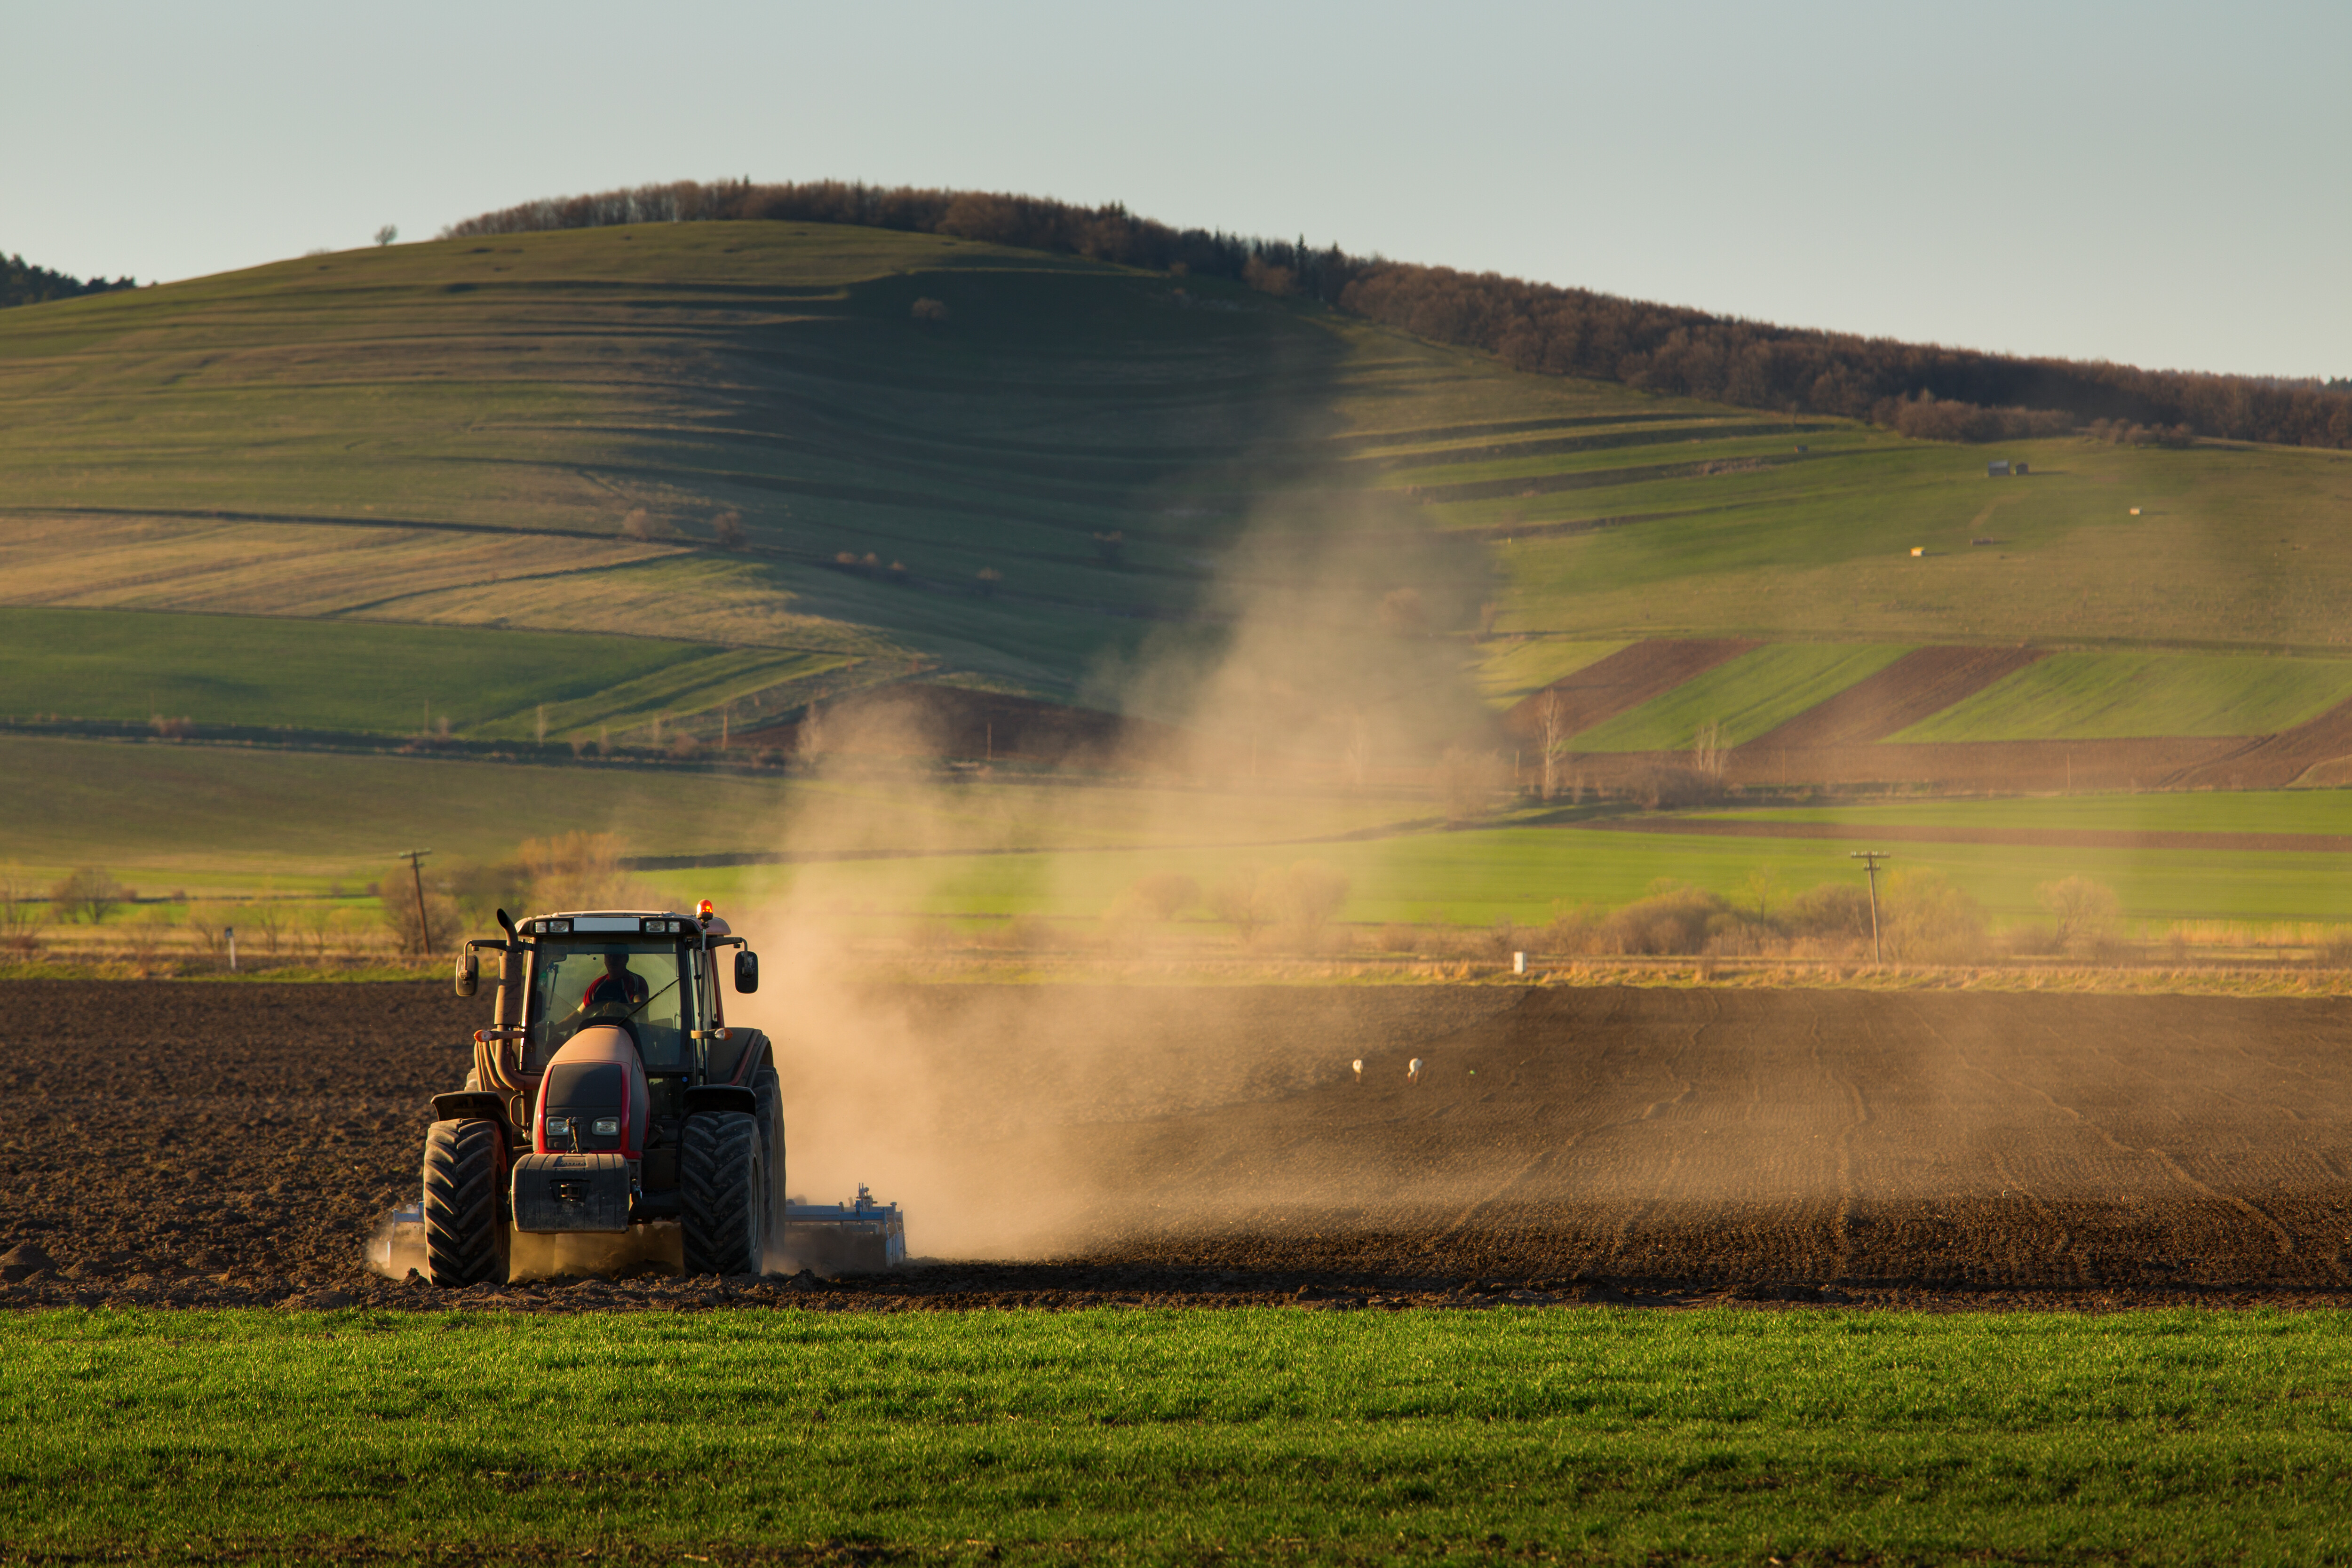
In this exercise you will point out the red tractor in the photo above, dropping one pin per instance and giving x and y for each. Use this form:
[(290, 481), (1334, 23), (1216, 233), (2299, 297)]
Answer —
[(609, 1099)]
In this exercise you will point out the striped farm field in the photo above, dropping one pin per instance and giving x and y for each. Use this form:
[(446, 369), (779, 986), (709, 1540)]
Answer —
[(1747, 697), (1513, 670), (2120, 696), (361, 675)]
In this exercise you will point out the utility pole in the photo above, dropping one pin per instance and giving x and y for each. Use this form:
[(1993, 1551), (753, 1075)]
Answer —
[(415, 858), (1870, 859)]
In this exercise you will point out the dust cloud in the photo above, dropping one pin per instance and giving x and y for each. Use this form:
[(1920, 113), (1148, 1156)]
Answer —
[(1330, 654)]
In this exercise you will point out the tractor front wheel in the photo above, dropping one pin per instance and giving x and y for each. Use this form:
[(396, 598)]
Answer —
[(465, 1224), (724, 1217)]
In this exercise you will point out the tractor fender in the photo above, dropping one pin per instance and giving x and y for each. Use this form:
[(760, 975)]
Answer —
[(471, 1105), (737, 1059), (721, 1096)]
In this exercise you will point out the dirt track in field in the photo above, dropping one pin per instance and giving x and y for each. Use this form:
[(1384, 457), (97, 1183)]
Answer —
[(212, 1144)]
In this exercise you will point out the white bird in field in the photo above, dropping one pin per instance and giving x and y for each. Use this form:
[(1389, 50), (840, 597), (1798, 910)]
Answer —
[(1358, 1064), (1412, 1071)]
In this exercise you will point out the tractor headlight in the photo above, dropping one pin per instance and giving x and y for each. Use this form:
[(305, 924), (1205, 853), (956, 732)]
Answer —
[(559, 1127), (607, 1127)]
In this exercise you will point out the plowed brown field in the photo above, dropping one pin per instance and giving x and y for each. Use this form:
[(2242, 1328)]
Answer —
[(197, 1143), (1624, 680)]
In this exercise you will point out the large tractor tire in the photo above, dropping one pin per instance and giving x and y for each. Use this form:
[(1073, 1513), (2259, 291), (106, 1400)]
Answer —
[(724, 1215), (771, 1153), (465, 1224)]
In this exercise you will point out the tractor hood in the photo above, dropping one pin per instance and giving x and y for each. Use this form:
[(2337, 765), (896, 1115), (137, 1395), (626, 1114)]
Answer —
[(594, 1099)]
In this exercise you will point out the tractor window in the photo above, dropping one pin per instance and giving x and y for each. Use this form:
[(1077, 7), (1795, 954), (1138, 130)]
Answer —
[(575, 984)]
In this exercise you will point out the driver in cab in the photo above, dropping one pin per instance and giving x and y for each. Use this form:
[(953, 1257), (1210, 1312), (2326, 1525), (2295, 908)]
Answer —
[(619, 986)]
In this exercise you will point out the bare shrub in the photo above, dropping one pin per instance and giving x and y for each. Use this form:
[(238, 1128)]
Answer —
[(639, 525), (2084, 910), (1925, 920), (1672, 789), (2032, 940), (2333, 951), (484, 887), (1306, 895), (209, 924), (928, 312), (726, 531), (438, 927), (1299, 900), (1508, 937), (146, 934), (1161, 896), (1242, 900), (574, 872), (1394, 938), (1573, 928), (1673, 919), (314, 927), (266, 919), (22, 911), (1026, 933), (1833, 911)]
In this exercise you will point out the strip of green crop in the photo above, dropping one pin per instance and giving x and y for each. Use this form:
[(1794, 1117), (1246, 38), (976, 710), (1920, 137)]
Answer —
[(2118, 696), (2327, 811), (346, 674), (1602, 1436), (1747, 696)]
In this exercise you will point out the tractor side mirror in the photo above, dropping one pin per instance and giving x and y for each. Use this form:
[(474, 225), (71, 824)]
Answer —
[(747, 971), (469, 972)]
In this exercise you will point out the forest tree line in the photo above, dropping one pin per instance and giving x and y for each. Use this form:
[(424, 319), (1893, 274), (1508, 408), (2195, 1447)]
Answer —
[(1925, 390), (22, 284)]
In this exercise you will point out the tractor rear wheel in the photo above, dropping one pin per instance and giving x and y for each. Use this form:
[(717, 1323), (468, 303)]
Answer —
[(724, 1218), (465, 1225), (771, 1152)]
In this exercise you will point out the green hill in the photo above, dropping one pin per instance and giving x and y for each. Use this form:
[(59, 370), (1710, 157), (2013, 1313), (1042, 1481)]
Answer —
[(566, 431)]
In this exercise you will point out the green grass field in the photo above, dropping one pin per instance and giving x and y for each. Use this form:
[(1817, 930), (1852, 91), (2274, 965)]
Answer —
[(2115, 696), (346, 674), (2327, 811), (228, 822), (162, 815), (1480, 877), (1587, 1435), (1747, 697)]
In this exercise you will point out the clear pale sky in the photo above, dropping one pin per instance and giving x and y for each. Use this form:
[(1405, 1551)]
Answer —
[(2154, 183)]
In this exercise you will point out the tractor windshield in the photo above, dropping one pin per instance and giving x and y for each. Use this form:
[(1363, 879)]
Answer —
[(573, 984)]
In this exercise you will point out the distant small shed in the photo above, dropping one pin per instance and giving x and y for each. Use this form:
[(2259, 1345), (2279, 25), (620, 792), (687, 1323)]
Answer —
[(1997, 470), (2022, 468)]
